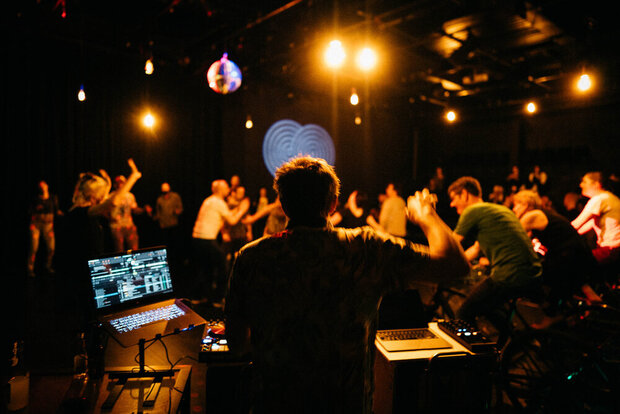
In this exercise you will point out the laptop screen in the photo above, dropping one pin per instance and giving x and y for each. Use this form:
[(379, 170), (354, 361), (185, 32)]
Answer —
[(129, 279)]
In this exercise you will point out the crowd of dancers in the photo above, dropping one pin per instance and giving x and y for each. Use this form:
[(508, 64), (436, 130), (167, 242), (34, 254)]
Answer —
[(569, 244)]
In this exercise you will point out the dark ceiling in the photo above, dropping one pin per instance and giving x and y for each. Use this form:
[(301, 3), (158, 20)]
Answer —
[(487, 53)]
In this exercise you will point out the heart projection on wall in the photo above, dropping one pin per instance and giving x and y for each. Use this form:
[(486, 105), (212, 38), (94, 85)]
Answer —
[(286, 139)]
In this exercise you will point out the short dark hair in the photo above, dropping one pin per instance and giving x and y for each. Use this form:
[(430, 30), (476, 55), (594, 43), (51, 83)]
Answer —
[(307, 187), (597, 177), (466, 183)]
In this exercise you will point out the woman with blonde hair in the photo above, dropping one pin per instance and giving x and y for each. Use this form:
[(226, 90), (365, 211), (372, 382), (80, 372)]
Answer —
[(566, 257), (92, 203), (85, 229)]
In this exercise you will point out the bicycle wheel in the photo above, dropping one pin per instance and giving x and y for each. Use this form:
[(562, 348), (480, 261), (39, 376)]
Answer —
[(554, 371)]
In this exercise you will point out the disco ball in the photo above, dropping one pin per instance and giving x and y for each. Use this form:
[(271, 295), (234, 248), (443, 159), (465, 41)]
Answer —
[(224, 76)]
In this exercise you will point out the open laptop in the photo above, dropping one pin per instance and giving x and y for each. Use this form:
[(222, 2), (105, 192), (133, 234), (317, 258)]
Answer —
[(413, 339), (402, 324), (134, 297)]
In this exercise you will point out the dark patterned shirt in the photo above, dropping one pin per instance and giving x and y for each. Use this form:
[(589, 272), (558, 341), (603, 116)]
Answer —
[(310, 297)]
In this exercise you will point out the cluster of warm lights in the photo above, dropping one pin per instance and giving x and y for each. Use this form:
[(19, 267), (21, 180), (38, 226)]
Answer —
[(583, 84), (335, 56)]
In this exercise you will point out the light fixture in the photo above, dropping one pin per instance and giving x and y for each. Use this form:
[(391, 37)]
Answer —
[(366, 59), (148, 67), (451, 116), (531, 107), (148, 120), (334, 55), (358, 120), (355, 99), (584, 83), (81, 94), (248, 122)]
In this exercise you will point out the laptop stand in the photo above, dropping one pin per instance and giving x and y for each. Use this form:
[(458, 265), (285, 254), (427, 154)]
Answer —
[(121, 378)]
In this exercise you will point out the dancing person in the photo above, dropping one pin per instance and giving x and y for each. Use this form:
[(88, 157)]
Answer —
[(304, 302), (209, 257), (122, 226), (168, 209), (392, 217), (43, 210)]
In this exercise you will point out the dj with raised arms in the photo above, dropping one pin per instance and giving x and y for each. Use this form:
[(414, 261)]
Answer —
[(304, 301)]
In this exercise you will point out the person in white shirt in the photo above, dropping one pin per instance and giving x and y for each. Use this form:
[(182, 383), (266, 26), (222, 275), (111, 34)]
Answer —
[(601, 214), (210, 260)]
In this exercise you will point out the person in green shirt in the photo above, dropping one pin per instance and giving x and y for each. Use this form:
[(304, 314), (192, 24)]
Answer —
[(498, 236)]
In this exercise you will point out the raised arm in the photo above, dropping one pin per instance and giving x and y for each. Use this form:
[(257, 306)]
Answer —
[(235, 215), (447, 257), (261, 213), (117, 196)]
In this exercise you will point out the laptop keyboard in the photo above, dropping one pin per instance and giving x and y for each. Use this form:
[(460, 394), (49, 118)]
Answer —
[(137, 320), (405, 334)]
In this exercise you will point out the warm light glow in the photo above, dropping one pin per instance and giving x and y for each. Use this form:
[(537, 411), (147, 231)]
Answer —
[(335, 55), (248, 123), (148, 120), (451, 116), (366, 59), (148, 67), (584, 83), (358, 120), (81, 94), (355, 99), (531, 107)]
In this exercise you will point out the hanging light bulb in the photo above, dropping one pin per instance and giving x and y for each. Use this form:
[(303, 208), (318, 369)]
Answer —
[(531, 107), (358, 120), (584, 83), (81, 94), (334, 55), (355, 99), (248, 122), (148, 67), (148, 120), (451, 116), (366, 59)]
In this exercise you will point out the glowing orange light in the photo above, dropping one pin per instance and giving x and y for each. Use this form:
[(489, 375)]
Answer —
[(148, 67), (81, 94), (451, 116), (335, 55), (248, 123), (148, 120), (584, 83), (355, 99), (531, 107), (366, 59)]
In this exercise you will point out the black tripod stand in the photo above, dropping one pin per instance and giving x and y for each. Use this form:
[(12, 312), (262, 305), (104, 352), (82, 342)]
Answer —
[(121, 378)]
